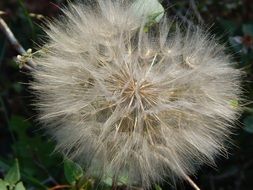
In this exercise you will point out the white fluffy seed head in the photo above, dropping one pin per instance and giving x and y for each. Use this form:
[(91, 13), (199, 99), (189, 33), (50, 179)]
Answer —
[(129, 103)]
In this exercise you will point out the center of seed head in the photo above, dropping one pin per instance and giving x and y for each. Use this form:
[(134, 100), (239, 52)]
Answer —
[(132, 91), (143, 92)]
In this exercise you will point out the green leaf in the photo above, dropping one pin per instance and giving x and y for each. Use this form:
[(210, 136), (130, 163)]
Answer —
[(19, 125), (151, 21), (108, 181), (72, 171), (3, 185), (122, 179), (35, 182), (19, 186), (148, 8), (87, 185), (248, 122), (13, 175), (247, 29), (234, 103), (157, 187), (29, 144)]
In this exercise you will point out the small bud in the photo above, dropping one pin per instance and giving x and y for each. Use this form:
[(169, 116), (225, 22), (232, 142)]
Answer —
[(19, 57), (29, 51)]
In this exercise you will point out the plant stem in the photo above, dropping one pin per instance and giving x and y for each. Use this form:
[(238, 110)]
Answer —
[(14, 42), (60, 187)]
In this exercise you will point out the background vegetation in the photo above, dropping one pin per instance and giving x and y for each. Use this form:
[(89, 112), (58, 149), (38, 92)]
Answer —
[(27, 160)]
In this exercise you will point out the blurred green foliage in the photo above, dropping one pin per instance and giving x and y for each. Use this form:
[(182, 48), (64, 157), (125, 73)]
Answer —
[(27, 157)]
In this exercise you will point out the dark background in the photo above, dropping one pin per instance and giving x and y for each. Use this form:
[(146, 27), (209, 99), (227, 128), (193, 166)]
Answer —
[(22, 138)]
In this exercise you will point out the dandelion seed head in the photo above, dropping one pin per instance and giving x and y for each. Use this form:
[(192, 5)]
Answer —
[(128, 102)]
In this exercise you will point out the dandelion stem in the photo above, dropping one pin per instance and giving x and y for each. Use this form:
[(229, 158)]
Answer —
[(191, 182), (14, 42)]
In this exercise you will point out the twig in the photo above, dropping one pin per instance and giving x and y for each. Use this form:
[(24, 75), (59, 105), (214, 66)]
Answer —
[(191, 182), (60, 187), (14, 42)]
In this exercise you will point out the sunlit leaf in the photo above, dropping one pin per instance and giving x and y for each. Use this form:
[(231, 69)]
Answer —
[(13, 175), (234, 103), (122, 180), (3, 185), (157, 187), (19, 186), (148, 8)]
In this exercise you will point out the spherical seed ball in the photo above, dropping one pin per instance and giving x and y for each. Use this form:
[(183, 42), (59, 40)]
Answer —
[(129, 102)]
